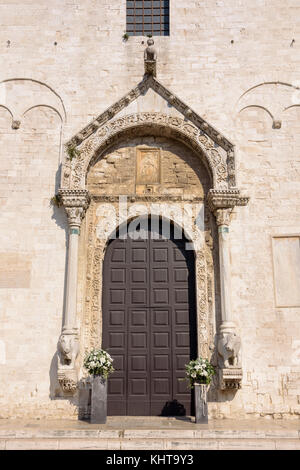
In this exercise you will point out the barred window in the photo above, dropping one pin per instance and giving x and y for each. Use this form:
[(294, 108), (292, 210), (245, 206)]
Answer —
[(147, 17)]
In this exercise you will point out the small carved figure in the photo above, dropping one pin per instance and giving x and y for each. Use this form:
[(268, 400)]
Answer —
[(68, 348), (150, 51), (229, 347)]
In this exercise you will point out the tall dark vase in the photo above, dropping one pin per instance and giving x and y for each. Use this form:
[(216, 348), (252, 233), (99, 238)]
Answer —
[(201, 409), (99, 400)]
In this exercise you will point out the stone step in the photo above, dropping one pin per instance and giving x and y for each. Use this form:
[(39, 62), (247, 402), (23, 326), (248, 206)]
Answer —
[(149, 439)]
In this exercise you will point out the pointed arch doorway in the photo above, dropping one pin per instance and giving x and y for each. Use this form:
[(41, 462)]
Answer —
[(149, 319)]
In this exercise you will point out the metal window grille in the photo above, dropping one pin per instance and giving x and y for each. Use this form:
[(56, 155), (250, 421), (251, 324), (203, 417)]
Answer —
[(145, 17)]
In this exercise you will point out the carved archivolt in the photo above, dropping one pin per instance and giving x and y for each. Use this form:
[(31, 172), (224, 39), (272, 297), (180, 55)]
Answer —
[(216, 152), (96, 248), (220, 166)]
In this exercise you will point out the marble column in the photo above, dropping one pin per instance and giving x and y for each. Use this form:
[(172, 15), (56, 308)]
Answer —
[(223, 221), (221, 203), (75, 203)]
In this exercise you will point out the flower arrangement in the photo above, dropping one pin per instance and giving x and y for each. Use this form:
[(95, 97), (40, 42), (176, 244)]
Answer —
[(99, 362), (199, 370)]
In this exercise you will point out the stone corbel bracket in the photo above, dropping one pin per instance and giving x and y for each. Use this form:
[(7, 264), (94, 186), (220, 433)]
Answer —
[(230, 378)]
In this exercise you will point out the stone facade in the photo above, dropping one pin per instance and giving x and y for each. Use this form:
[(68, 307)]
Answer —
[(221, 113)]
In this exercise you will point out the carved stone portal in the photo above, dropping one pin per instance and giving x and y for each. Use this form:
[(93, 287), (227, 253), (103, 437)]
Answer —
[(216, 153)]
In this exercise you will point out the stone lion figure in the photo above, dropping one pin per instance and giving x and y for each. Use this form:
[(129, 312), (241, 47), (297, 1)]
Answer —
[(229, 347), (68, 350), (150, 51)]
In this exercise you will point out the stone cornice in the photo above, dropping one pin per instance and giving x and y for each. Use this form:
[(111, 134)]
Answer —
[(225, 199), (74, 197), (131, 198)]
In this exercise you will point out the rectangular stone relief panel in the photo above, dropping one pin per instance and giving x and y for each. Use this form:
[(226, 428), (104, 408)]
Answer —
[(286, 262), (15, 269), (148, 170)]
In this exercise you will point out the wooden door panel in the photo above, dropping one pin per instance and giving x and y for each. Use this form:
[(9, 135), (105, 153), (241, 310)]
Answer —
[(149, 324)]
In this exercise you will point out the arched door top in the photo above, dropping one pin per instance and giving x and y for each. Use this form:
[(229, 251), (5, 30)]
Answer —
[(220, 164)]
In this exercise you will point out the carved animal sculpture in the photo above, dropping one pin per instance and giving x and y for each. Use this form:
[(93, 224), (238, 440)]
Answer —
[(150, 51), (229, 347), (68, 348)]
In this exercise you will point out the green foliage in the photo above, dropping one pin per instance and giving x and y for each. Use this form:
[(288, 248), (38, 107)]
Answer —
[(72, 151), (199, 370), (98, 362), (125, 36), (56, 200)]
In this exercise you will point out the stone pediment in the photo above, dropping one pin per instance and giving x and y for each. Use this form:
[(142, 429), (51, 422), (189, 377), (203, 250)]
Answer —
[(149, 107), (150, 82)]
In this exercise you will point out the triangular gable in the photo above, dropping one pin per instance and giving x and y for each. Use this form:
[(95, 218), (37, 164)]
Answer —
[(151, 82)]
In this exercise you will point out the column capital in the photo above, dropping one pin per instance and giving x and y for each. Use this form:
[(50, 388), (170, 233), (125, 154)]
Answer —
[(223, 217), (75, 202), (221, 202)]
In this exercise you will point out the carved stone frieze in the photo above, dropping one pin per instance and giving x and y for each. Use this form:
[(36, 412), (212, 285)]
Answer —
[(93, 293), (214, 159), (225, 199), (216, 150), (202, 304)]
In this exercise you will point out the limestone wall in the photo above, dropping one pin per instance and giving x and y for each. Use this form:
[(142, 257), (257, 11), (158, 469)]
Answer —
[(235, 63)]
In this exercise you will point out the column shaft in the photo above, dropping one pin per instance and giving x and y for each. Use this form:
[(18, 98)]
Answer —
[(225, 281), (71, 288)]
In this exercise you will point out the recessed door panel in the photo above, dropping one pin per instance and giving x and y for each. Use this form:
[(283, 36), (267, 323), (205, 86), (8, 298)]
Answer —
[(149, 323)]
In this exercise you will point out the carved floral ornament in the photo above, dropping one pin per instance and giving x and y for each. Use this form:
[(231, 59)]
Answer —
[(215, 150), (220, 167)]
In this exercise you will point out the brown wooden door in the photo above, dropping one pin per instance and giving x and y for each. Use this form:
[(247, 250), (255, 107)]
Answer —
[(149, 324)]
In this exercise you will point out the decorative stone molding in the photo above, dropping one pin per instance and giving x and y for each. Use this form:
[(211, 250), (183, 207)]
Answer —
[(277, 124), (216, 151), (75, 203), (74, 173), (95, 254), (15, 124), (225, 199), (147, 198), (230, 378)]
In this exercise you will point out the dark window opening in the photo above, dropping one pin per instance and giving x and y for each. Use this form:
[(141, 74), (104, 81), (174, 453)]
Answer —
[(147, 17)]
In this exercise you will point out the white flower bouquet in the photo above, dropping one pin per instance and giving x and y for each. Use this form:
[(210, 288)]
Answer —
[(99, 362), (199, 370)]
